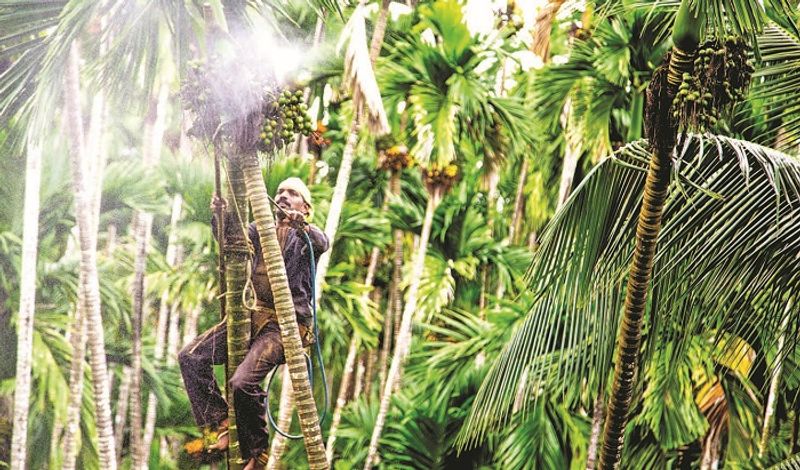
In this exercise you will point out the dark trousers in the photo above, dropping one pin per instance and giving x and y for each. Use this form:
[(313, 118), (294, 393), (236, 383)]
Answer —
[(209, 406)]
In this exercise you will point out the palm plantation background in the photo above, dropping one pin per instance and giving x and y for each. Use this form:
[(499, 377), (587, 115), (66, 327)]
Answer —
[(480, 168)]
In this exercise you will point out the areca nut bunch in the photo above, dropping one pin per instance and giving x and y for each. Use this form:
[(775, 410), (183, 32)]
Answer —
[(721, 76), (439, 176), (222, 102), (285, 116), (395, 158), (317, 140)]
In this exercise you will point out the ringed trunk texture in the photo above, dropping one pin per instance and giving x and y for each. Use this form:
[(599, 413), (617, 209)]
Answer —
[(284, 308), (341, 399), (96, 155), (151, 149), (396, 310), (774, 383), (597, 425), (142, 226), (648, 226), (236, 256), (123, 399), (88, 264), (630, 335), (165, 323), (27, 304), (379, 32), (278, 446), (404, 334), (337, 204), (72, 426)]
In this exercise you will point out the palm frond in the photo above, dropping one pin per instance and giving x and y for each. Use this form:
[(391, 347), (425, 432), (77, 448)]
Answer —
[(724, 265), (774, 94), (359, 76)]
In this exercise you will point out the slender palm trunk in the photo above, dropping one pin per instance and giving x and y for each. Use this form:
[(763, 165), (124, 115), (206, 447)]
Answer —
[(647, 229), (379, 32), (88, 264), (173, 335), (369, 371), (404, 335), (96, 158), (594, 437), (337, 203), (236, 256), (27, 303), (165, 321), (72, 421), (397, 270), (358, 385), (153, 135), (190, 326), (341, 398), (774, 383), (278, 446), (142, 227), (348, 154), (519, 198), (284, 308), (572, 154), (121, 416), (386, 345)]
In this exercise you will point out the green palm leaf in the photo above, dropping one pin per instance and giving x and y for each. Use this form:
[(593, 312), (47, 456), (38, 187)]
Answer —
[(729, 236)]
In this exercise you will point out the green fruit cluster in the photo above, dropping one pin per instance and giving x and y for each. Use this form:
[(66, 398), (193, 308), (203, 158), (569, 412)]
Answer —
[(285, 116), (720, 77)]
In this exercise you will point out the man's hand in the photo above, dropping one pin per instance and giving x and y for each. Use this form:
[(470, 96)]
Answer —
[(296, 219), (217, 202)]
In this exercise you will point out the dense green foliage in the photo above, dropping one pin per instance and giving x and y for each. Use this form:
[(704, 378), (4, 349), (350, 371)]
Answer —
[(513, 337)]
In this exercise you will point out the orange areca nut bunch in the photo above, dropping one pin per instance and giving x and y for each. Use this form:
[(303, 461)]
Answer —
[(393, 156), (317, 140), (438, 176)]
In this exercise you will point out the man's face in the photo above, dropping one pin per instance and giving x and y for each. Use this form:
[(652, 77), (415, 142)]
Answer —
[(289, 199)]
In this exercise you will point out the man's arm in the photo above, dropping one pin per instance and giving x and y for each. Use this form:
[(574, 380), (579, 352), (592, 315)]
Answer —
[(318, 240)]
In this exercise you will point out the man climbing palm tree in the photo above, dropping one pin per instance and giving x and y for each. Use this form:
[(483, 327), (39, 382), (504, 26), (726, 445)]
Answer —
[(266, 350)]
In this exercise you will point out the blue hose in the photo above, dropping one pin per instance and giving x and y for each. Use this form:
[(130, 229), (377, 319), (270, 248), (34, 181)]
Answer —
[(323, 415)]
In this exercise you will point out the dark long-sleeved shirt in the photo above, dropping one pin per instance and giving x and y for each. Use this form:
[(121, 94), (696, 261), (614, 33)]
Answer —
[(297, 260)]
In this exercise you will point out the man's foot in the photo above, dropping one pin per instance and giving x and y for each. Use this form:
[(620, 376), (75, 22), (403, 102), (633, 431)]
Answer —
[(222, 440)]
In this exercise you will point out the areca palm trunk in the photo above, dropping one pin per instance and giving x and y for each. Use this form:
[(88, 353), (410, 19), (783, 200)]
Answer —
[(341, 398), (379, 31), (72, 421), (404, 334), (153, 135), (337, 203), (96, 157), (686, 37), (348, 154), (236, 255), (165, 321), (27, 303), (142, 227), (774, 383), (284, 308), (344, 384), (88, 263), (121, 416), (278, 445)]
